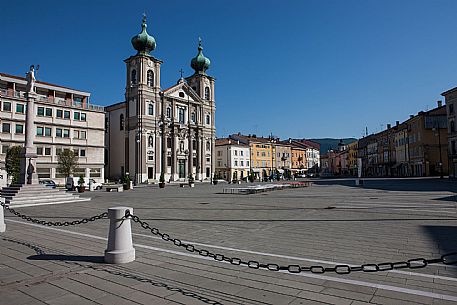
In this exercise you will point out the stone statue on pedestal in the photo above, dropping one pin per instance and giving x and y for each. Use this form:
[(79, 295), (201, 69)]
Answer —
[(28, 173)]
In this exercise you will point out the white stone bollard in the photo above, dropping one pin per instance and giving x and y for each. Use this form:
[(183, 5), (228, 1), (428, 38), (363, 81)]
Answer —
[(120, 249), (2, 220)]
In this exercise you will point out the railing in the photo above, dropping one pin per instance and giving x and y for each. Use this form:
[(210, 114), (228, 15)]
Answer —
[(54, 100)]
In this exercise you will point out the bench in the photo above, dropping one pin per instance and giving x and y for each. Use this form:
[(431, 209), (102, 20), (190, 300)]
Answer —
[(114, 188)]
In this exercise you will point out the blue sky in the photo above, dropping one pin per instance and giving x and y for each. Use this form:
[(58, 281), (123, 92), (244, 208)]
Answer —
[(292, 68)]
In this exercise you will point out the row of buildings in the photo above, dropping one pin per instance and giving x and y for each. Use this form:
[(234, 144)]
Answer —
[(239, 156), (153, 132), (423, 145)]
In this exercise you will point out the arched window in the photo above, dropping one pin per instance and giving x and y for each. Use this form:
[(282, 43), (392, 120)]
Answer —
[(150, 78), (151, 108), (207, 119), (151, 141), (121, 121), (452, 126), (206, 93), (168, 112), (133, 77)]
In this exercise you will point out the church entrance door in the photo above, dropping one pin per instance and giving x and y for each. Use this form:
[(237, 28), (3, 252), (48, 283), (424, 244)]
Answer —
[(182, 168)]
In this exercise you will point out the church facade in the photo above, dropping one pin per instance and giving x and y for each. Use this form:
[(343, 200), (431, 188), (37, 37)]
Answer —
[(154, 131)]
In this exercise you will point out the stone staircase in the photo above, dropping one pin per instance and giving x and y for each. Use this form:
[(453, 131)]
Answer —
[(36, 194)]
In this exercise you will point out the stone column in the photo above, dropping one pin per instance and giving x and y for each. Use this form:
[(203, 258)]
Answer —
[(199, 159), (173, 156), (213, 156), (191, 154), (28, 154)]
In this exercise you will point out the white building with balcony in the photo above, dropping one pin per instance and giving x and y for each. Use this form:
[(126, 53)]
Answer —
[(232, 159), (65, 119)]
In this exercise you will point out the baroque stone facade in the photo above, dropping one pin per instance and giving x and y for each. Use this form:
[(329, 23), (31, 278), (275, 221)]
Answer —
[(157, 131)]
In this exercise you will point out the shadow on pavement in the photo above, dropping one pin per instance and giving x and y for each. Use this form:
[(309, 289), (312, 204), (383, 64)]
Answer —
[(67, 258), (389, 184), (113, 269), (452, 198), (444, 237)]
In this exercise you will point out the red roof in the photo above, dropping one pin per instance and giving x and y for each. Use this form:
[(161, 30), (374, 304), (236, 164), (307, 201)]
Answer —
[(228, 141)]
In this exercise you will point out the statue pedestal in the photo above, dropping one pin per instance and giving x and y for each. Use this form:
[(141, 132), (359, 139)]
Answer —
[(28, 173)]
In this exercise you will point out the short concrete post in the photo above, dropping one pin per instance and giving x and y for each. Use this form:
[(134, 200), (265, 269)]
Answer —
[(120, 249), (2, 221), (358, 182)]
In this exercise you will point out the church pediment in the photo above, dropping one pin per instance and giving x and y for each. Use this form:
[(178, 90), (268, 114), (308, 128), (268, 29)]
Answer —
[(182, 91)]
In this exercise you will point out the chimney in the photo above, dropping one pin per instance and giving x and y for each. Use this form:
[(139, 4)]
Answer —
[(440, 103), (397, 123), (388, 126)]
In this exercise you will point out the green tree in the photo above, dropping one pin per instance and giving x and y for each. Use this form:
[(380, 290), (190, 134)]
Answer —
[(13, 163), (67, 162)]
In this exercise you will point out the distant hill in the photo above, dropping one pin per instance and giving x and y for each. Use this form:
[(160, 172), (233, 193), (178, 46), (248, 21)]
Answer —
[(329, 143)]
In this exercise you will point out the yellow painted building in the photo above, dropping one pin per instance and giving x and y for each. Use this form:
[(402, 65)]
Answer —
[(298, 159), (263, 153), (352, 157)]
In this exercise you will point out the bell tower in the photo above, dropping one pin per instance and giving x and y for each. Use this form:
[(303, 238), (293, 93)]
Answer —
[(142, 102), (203, 85)]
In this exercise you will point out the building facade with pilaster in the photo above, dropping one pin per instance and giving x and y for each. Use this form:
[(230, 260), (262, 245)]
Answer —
[(156, 131)]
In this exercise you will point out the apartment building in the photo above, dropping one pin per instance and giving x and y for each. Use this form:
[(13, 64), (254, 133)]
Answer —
[(283, 158), (262, 153), (232, 159), (416, 147), (64, 119), (450, 97)]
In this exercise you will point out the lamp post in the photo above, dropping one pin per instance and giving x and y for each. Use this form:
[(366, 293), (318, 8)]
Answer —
[(138, 158)]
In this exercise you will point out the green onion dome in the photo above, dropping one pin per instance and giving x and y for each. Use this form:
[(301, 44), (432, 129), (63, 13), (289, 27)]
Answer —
[(200, 63), (143, 42)]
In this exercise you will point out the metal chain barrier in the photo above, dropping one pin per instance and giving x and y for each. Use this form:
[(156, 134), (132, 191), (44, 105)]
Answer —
[(416, 263), (54, 223)]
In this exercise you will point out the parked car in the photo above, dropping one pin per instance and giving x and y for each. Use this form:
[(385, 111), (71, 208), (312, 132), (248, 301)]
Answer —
[(48, 183), (72, 183)]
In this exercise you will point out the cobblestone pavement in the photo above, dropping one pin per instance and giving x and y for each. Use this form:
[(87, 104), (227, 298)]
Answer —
[(331, 222)]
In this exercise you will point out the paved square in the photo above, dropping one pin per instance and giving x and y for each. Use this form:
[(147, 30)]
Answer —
[(329, 223)]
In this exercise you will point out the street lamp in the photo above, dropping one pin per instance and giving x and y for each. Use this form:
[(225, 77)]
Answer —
[(138, 157)]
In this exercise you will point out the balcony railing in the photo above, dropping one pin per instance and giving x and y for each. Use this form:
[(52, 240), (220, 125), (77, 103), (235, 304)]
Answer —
[(53, 100)]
